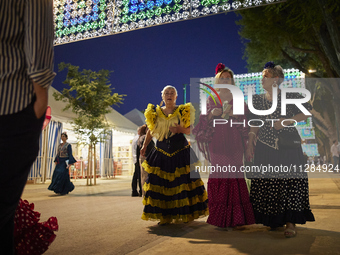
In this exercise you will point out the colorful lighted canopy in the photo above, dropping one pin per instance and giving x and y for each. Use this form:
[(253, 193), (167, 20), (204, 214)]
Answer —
[(293, 79), (306, 133), (305, 129), (311, 149), (80, 20)]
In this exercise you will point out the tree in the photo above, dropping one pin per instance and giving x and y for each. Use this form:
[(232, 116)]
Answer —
[(305, 35), (90, 97)]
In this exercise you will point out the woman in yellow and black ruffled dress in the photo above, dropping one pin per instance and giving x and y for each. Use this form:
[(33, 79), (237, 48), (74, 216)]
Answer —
[(172, 194)]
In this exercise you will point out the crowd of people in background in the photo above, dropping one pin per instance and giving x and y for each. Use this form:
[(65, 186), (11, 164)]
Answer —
[(331, 163)]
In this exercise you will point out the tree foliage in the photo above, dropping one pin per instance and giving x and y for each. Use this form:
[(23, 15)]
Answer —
[(293, 33), (304, 35), (90, 97)]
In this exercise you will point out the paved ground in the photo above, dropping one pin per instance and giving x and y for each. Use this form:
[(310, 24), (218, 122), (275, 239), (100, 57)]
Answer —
[(105, 219)]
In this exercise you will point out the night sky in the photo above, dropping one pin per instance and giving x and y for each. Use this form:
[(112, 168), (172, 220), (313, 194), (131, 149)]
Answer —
[(146, 60)]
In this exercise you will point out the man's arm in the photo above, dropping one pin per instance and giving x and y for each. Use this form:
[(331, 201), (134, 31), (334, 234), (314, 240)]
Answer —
[(39, 36)]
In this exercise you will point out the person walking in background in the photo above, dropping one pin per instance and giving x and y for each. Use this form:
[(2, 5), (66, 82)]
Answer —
[(151, 145), (136, 174), (335, 155), (171, 195), (305, 160), (223, 145), (282, 198), (26, 73), (61, 183)]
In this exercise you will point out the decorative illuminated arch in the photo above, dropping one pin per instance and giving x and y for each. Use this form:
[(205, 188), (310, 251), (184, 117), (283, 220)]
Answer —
[(81, 20)]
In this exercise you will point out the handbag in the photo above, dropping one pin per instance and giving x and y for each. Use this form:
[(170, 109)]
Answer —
[(288, 140)]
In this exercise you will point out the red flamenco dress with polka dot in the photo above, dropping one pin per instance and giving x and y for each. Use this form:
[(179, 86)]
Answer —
[(229, 203), (31, 236)]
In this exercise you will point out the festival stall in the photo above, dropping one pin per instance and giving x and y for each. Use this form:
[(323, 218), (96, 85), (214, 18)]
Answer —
[(119, 138)]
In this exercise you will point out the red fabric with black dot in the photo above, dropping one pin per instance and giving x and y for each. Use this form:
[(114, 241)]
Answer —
[(31, 236)]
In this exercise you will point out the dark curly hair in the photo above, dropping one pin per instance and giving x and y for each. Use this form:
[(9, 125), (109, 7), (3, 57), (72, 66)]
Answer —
[(143, 129)]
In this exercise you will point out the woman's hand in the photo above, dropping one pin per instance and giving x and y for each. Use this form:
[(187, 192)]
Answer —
[(249, 152), (216, 112), (176, 129), (40, 105), (179, 129)]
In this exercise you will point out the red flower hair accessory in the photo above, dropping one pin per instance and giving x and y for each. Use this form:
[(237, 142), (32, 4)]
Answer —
[(220, 67)]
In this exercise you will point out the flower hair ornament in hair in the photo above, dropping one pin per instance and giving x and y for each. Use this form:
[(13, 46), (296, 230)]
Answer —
[(220, 67), (269, 64)]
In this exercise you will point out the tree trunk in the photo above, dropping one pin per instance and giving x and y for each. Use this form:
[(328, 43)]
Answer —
[(91, 158), (321, 146), (88, 165), (95, 165), (324, 124), (326, 143), (337, 118)]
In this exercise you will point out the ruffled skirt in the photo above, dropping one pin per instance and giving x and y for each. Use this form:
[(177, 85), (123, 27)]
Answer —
[(61, 183), (229, 204), (31, 236), (285, 198), (171, 193)]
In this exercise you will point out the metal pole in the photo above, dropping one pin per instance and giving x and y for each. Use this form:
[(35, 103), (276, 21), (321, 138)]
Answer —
[(185, 93), (46, 134)]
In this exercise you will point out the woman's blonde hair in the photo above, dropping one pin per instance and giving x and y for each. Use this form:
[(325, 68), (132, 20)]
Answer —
[(275, 71), (218, 75), (168, 87), (165, 88)]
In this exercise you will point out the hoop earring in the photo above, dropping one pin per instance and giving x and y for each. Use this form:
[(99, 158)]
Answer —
[(274, 84), (161, 103)]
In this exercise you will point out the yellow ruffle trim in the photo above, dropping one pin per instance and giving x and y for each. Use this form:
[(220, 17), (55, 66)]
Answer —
[(160, 113), (165, 175), (172, 191), (176, 218), (172, 154), (175, 203), (150, 116), (188, 114)]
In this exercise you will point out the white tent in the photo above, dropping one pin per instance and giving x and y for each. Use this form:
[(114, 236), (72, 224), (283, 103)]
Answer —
[(136, 117), (123, 131), (119, 122)]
